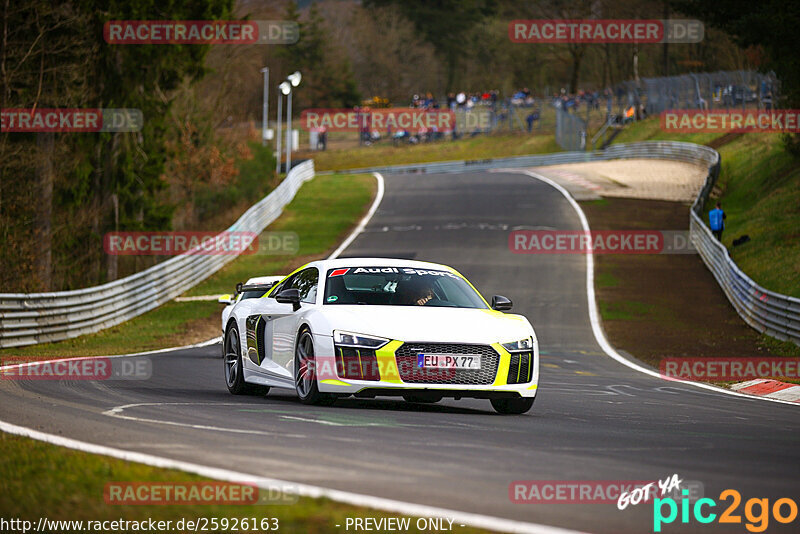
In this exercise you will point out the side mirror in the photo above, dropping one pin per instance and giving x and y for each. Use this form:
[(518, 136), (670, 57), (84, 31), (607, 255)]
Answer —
[(225, 299), (289, 296), (501, 303)]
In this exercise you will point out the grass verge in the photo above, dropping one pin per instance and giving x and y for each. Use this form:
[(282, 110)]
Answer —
[(467, 148), (321, 214), (759, 187), (42, 480)]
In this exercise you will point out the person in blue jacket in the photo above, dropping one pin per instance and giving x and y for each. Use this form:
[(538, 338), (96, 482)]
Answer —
[(716, 220)]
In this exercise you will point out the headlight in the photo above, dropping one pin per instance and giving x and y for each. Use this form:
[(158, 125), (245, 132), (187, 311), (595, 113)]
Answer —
[(523, 345), (349, 339)]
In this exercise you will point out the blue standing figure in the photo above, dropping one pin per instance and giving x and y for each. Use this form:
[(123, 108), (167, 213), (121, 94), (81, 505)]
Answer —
[(716, 221)]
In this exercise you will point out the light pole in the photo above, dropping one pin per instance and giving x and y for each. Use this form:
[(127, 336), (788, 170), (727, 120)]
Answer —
[(284, 89), (293, 80), (265, 108)]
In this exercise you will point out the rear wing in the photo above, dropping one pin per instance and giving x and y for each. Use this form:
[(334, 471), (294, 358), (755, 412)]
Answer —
[(266, 286)]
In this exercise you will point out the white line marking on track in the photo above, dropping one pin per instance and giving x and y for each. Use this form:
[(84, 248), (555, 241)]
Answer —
[(117, 412), (307, 420)]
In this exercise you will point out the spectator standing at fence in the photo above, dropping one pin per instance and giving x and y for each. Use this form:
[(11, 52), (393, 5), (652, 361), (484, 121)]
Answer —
[(716, 221), (529, 120)]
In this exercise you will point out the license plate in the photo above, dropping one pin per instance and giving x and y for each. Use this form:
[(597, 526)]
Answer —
[(448, 361)]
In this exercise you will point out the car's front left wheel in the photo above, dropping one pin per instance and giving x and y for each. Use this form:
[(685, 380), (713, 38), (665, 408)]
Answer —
[(305, 378)]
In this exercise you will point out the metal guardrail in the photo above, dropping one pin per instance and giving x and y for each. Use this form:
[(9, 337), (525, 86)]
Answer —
[(30, 318), (768, 312)]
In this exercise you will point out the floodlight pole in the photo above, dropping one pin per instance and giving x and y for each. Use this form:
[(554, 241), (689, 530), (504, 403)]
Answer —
[(265, 108), (289, 131), (278, 137)]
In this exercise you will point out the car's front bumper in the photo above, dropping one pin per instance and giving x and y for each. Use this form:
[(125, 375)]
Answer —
[(390, 383)]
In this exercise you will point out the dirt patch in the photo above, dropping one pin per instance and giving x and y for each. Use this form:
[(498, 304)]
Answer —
[(639, 178), (678, 308), (724, 140)]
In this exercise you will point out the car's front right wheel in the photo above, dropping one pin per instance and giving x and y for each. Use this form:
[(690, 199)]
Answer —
[(305, 379), (513, 406)]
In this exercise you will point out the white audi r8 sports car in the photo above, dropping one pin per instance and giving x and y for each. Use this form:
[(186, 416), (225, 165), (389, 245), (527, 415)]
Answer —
[(374, 327)]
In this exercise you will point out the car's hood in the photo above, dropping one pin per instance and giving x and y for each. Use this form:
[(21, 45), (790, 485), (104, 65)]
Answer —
[(414, 323)]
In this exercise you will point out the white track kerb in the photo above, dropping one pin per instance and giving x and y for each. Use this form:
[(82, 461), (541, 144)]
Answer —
[(594, 315)]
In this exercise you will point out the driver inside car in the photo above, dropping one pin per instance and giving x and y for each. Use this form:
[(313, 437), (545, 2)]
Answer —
[(416, 292)]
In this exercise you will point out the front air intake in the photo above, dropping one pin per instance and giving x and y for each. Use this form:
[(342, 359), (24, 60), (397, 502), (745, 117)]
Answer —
[(356, 364), (520, 371)]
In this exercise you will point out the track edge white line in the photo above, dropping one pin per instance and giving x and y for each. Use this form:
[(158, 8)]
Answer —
[(594, 314)]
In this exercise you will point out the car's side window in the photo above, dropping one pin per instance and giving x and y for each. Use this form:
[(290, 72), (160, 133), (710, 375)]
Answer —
[(306, 282)]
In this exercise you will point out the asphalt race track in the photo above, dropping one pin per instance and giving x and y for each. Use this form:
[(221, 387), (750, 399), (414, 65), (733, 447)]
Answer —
[(594, 419)]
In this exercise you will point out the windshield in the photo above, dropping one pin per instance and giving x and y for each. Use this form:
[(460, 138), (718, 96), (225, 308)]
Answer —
[(400, 286)]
